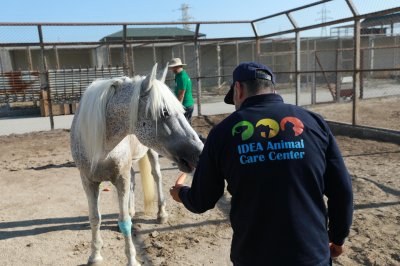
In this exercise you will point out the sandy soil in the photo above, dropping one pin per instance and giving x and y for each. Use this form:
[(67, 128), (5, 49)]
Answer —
[(43, 209), (379, 112)]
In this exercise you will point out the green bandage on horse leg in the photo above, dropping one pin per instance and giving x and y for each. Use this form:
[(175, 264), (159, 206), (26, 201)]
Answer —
[(125, 227)]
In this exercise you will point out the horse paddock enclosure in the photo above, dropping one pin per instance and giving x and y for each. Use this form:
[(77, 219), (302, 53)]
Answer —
[(44, 213)]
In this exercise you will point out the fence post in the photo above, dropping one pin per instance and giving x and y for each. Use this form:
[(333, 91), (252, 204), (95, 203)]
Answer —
[(154, 54), (196, 44), (183, 53), (361, 73), (29, 57), (314, 78), (237, 53), (357, 60), (57, 58), (219, 64), (132, 58), (258, 48), (338, 66), (356, 75), (44, 76), (125, 52), (197, 57), (109, 58), (298, 65), (297, 56)]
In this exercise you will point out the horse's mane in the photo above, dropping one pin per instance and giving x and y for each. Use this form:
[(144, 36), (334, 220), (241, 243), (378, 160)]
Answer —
[(160, 98), (90, 125)]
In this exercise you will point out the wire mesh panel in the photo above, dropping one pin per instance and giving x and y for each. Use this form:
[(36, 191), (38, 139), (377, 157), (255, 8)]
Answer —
[(68, 85), (380, 56), (368, 6), (15, 34), (68, 33), (19, 86), (313, 49)]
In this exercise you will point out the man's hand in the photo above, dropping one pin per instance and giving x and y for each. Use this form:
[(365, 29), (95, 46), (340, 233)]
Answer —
[(335, 250), (174, 191)]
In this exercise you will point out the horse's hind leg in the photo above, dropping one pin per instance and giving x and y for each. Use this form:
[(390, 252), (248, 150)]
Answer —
[(122, 184), (132, 194), (162, 215), (92, 194)]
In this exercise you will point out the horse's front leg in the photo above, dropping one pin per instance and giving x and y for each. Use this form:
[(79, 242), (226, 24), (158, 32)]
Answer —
[(122, 184), (162, 215), (92, 194)]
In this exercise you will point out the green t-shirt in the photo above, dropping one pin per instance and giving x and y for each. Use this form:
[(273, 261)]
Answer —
[(183, 82)]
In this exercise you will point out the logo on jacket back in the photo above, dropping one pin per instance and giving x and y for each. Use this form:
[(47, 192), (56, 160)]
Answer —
[(244, 128), (254, 152)]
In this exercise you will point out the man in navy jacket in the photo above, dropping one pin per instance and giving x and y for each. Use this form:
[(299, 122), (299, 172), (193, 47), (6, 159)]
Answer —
[(279, 161)]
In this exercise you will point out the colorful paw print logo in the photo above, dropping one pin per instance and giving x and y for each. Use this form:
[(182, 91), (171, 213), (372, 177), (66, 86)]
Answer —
[(245, 128), (268, 127), (271, 124), (298, 126)]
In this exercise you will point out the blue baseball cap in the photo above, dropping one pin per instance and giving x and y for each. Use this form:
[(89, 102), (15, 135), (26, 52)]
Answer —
[(249, 71)]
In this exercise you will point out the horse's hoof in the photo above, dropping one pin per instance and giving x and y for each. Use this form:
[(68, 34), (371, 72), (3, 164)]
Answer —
[(162, 219), (95, 260), (133, 263)]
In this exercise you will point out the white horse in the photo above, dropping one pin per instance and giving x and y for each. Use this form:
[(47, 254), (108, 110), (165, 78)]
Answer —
[(119, 121)]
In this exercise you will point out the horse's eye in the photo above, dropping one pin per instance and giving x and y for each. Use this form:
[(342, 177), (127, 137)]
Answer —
[(165, 113)]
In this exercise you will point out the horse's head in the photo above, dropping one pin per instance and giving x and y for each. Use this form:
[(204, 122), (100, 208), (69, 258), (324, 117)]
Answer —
[(161, 125)]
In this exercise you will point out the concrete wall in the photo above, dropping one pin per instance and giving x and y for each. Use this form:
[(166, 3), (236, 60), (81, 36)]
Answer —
[(5, 60), (101, 56), (67, 58), (74, 58)]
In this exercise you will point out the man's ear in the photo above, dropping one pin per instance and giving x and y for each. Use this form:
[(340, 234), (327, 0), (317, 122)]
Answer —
[(239, 92)]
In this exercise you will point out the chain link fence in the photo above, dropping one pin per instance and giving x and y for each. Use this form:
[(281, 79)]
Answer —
[(347, 62)]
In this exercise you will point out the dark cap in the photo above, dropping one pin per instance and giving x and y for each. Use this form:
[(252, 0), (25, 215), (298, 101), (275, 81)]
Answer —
[(249, 71)]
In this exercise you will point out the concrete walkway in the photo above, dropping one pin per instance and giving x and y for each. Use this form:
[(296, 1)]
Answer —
[(22, 125)]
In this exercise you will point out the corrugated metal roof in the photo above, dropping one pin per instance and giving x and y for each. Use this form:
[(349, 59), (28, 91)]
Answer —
[(152, 33), (381, 20)]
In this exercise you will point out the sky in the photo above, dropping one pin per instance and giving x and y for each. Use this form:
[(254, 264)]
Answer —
[(169, 11)]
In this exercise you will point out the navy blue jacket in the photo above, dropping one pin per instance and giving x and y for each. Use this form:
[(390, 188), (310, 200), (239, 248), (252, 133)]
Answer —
[(279, 160)]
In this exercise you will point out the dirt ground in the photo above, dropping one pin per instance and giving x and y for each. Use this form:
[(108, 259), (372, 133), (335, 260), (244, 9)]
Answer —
[(379, 112), (43, 209)]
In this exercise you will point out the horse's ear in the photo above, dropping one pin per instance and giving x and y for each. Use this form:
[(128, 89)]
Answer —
[(148, 81), (164, 75)]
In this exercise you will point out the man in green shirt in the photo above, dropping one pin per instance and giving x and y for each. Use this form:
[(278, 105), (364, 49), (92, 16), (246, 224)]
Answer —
[(183, 87)]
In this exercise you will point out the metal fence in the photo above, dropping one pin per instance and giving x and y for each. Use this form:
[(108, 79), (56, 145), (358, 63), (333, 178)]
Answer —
[(358, 61), (68, 85), (19, 86)]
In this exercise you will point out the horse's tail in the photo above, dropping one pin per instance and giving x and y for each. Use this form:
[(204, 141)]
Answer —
[(147, 184)]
